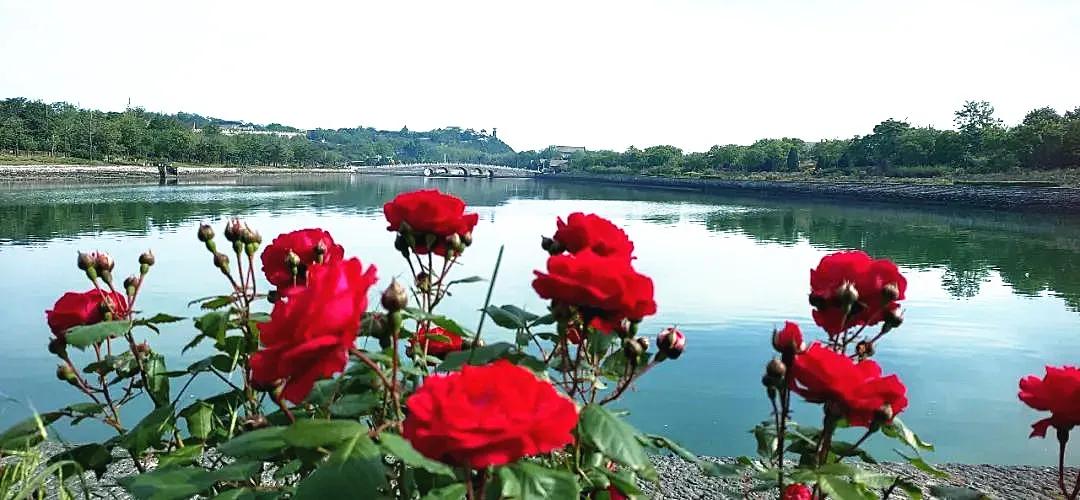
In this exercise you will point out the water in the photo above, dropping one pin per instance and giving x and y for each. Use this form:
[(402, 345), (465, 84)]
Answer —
[(992, 296)]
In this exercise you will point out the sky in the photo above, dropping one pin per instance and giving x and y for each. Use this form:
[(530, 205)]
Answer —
[(596, 73)]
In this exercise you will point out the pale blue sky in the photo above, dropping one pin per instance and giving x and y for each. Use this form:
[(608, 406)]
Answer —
[(594, 73)]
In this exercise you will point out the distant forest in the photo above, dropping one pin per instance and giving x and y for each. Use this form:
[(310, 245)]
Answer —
[(980, 143)]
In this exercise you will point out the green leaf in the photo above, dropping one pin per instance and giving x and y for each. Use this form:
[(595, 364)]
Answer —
[(321, 433), (217, 302), (957, 493), (536, 482), (399, 447), (89, 409), (260, 443), (353, 405), (200, 419), (614, 438), (846, 449), (88, 335), (839, 488), (451, 326), (147, 433), (291, 467), (88, 457), (181, 456), (923, 465), (897, 430), (708, 467), (159, 319), (259, 317), (505, 317), (176, 483), (157, 379), (452, 492), (546, 319), (213, 325), (355, 478), (247, 494), (27, 432), (481, 356), (470, 279), (913, 491)]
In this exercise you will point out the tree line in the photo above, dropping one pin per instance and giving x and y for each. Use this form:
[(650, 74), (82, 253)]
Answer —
[(135, 135), (1043, 140)]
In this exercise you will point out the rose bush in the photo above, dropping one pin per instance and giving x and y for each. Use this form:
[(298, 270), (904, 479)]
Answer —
[(324, 398), (1058, 392)]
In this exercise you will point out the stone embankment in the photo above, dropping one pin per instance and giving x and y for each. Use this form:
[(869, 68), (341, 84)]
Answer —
[(98, 172), (1031, 198)]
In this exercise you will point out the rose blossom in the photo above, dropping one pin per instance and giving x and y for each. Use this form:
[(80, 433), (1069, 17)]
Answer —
[(590, 231), (788, 339), (302, 243), (77, 309), (606, 288), (797, 491), (428, 211), (878, 285), (1058, 393), (855, 389), (312, 328), (488, 415), (437, 348)]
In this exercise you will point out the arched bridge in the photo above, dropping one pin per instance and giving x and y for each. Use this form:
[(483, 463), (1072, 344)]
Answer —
[(447, 170)]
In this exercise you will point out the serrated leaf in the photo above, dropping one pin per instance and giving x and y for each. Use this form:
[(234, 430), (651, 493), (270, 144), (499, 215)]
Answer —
[(614, 438), (159, 319), (200, 419), (218, 302), (479, 356), (923, 465), (897, 430), (157, 378), (359, 477), (470, 279), (353, 405), (321, 433), (176, 483), (399, 447), (147, 433), (88, 335), (453, 492), (181, 456), (536, 482), (213, 325), (260, 443), (839, 488), (88, 457)]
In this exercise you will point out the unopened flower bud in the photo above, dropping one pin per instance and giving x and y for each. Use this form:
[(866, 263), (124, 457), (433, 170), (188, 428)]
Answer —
[(893, 318), (846, 294), (248, 236), (467, 239), (58, 346), (292, 261), (222, 262), (643, 343), (320, 252), (273, 296), (395, 297), (864, 349), (884, 414), (890, 292), (401, 244), (206, 233), (671, 342), (233, 229), (423, 282), (632, 349), (65, 373), (130, 284), (771, 382), (86, 260), (104, 262), (142, 349), (454, 242), (147, 258), (551, 246), (818, 302), (775, 368)]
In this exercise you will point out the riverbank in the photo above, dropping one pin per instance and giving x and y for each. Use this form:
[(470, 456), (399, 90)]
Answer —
[(97, 172), (680, 480), (996, 195)]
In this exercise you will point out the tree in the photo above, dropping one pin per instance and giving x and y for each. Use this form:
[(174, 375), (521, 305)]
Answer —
[(14, 135), (792, 160)]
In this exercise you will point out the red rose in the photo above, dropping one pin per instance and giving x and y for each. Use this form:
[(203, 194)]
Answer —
[(1058, 393), (789, 339), (606, 288), (613, 493), (302, 243), (797, 491), (878, 284), (430, 212), (488, 415), (581, 231), (77, 309), (437, 348), (311, 328), (857, 389)]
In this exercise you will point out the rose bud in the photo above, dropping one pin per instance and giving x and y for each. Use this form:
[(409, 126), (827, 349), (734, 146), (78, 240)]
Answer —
[(142, 349), (104, 262), (423, 282), (467, 239), (775, 369), (890, 292), (320, 251), (58, 346), (454, 242), (643, 342), (632, 349), (233, 229), (893, 318), (293, 262), (671, 342), (846, 293), (273, 296), (221, 261), (65, 373), (395, 297), (789, 339), (864, 349), (85, 261), (401, 244), (771, 382), (248, 235), (551, 246), (147, 258), (818, 302), (130, 284), (206, 233)]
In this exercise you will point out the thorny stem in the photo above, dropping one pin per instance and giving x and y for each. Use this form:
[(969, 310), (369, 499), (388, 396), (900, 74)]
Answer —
[(284, 408), (375, 368), (629, 381)]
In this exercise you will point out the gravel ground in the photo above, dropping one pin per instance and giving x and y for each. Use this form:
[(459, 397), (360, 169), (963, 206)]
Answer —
[(680, 480)]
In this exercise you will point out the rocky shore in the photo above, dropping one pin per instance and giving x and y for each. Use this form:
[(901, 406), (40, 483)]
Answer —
[(1029, 197), (99, 172)]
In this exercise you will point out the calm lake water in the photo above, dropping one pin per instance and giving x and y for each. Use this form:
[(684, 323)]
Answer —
[(992, 296)]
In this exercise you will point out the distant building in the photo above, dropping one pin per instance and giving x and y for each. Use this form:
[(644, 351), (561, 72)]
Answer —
[(566, 151), (239, 128)]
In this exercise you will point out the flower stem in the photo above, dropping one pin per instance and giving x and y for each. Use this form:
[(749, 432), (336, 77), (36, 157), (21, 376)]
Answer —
[(487, 302), (1063, 440)]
